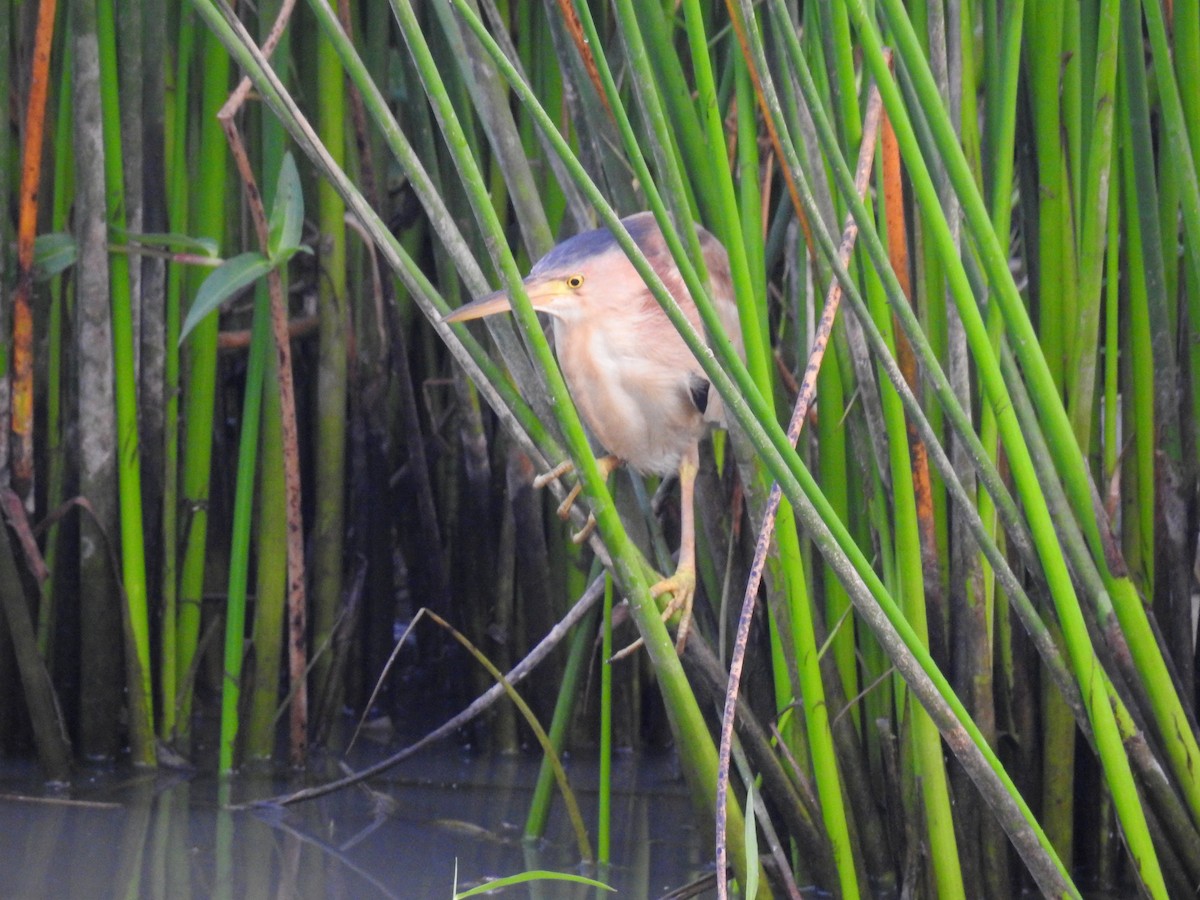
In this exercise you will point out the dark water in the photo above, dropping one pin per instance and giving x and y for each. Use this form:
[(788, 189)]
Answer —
[(122, 834)]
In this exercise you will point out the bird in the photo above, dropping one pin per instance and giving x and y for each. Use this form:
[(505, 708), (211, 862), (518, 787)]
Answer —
[(636, 384)]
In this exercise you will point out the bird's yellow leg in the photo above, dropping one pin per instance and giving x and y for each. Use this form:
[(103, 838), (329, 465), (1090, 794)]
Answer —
[(682, 584)]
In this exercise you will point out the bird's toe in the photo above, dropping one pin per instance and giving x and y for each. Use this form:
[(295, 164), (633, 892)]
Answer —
[(557, 472), (682, 588)]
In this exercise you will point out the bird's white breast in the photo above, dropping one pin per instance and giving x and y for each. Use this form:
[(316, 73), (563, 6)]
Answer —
[(632, 393)]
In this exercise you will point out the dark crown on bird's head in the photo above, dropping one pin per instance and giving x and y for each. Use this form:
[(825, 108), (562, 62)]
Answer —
[(590, 245)]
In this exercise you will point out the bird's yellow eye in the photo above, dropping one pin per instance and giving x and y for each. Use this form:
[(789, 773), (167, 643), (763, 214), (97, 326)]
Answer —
[(574, 281)]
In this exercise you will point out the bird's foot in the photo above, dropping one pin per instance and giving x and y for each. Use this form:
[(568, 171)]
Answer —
[(682, 588), (606, 464), (557, 472)]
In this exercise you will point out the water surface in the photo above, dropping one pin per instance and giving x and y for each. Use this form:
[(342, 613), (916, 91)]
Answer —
[(114, 833)]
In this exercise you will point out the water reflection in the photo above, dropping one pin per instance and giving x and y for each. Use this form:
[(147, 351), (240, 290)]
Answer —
[(164, 835)]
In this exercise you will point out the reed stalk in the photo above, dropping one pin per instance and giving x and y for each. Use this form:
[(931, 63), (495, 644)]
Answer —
[(129, 462), (270, 531), (208, 219), (243, 511), (100, 616), (178, 181), (333, 310)]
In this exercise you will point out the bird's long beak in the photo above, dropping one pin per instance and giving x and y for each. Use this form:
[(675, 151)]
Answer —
[(543, 294), (477, 309)]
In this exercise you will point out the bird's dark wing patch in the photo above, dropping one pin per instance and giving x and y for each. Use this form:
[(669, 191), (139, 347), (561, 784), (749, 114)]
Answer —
[(699, 387)]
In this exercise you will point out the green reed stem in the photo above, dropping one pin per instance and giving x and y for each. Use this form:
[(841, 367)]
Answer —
[(210, 179), (1083, 351), (178, 207), (333, 309), (1139, 399), (925, 742), (261, 346), (270, 532)]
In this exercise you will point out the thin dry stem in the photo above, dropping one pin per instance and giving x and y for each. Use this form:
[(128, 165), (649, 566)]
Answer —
[(808, 390)]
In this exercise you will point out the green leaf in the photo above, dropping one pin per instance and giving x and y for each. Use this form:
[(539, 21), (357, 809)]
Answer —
[(287, 212), (52, 253), (170, 240), (751, 845), (533, 875), (225, 281)]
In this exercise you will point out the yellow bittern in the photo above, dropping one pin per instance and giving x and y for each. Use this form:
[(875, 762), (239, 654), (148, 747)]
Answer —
[(637, 385)]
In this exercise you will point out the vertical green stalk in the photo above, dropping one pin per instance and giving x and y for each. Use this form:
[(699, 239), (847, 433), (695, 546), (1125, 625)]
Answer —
[(1001, 69), (831, 444), (1175, 131), (1056, 286), (835, 32), (261, 346), (1138, 408), (1056, 267), (133, 562), (270, 594), (1112, 327), (200, 390), (179, 200), (1075, 61), (1083, 350), (270, 533), (1001, 133), (923, 735), (1186, 33), (334, 332), (728, 226), (831, 424)]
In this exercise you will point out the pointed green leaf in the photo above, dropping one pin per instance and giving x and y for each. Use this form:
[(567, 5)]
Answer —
[(225, 281), (287, 212), (751, 839), (52, 253), (169, 241)]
